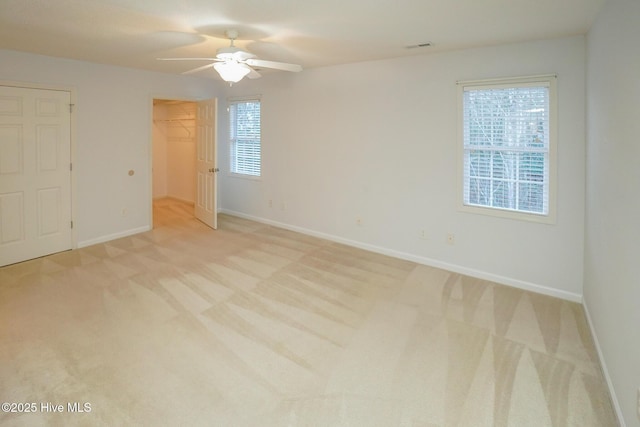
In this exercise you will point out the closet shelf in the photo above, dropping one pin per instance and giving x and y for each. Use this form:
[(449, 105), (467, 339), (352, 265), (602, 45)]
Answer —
[(174, 120), (178, 121)]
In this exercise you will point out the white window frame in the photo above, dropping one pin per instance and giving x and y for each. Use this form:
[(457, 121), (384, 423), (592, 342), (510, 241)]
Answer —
[(549, 81), (232, 138)]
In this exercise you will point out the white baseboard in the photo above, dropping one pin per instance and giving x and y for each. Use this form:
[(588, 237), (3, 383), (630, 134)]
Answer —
[(605, 371), (520, 284), (113, 236)]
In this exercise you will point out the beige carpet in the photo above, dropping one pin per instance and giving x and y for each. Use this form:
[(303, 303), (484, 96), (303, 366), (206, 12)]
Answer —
[(252, 325)]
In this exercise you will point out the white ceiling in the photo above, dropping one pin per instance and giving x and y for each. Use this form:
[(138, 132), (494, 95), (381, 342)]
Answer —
[(313, 33)]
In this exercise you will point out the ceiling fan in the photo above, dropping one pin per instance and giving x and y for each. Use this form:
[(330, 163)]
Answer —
[(233, 63)]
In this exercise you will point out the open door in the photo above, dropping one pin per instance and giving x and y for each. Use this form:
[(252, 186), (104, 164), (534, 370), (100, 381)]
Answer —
[(206, 209)]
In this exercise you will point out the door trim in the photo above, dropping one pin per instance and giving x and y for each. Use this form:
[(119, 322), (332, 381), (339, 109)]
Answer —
[(72, 134)]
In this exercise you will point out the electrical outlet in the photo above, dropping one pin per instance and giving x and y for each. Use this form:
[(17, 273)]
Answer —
[(451, 239), (124, 212), (359, 221), (282, 206), (270, 203), (423, 235)]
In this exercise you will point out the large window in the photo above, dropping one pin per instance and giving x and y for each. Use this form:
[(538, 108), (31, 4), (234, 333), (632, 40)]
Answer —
[(244, 130), (508, 140)]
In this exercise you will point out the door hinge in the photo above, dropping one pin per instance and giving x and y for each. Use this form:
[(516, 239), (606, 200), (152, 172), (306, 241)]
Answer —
[(70, 166), (71, 224), (71, 107)]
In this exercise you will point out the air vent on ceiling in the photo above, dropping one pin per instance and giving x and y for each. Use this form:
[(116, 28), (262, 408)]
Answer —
[(416, 46)]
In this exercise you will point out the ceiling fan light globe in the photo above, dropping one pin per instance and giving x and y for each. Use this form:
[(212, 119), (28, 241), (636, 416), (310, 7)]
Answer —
[(232, 71)]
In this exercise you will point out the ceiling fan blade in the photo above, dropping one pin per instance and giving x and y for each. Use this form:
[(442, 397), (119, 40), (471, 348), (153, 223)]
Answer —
[(204, 67), (187, 59), (273, 64), (253, 74)]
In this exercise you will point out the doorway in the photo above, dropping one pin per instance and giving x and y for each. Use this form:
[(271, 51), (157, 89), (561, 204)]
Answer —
[(184, 156)]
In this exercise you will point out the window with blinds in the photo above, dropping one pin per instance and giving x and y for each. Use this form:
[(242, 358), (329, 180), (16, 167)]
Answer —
[(508, 145), (244, 137)]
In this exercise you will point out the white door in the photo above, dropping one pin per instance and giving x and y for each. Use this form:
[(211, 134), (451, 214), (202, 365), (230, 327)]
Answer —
[(35, 176), (206, 170)]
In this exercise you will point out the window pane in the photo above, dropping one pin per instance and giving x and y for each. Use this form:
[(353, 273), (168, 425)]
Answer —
[(486, 124), (504, 165), (479, 191), (511, 117), (532, 167), (531, 197), (480, 163), (502, 194)]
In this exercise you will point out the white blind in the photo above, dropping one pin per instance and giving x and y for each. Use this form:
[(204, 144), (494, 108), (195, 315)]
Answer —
[(244, 136), (506, 147)]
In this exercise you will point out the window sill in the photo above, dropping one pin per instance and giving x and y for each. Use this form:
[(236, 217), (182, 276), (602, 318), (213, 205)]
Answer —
[(509, 214), (244, 176)]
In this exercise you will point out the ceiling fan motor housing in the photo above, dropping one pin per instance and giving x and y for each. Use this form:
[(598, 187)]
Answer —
[(232, 52)]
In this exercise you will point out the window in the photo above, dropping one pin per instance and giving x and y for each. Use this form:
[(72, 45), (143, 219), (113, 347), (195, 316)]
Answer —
[(508, 140), (244, 137)]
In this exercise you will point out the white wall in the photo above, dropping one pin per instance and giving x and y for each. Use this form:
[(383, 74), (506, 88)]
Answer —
[(113, 134), (612, 267), (378, 140)]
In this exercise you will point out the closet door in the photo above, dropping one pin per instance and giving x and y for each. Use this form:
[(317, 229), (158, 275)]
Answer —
[(206, 183), (35, 176)]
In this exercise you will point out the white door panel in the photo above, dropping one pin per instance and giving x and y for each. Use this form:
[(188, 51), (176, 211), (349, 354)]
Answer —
[(12, 217), (206, 209), (10, 150), (35, 177)]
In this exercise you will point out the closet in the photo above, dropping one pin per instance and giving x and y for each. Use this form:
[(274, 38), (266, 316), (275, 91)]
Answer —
[(174, 150)]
